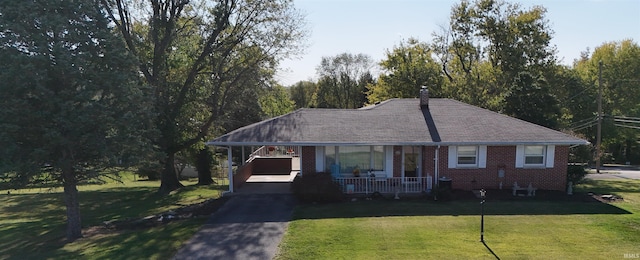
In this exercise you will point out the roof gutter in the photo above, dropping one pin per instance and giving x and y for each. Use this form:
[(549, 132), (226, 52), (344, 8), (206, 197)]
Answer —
[(571, 143)]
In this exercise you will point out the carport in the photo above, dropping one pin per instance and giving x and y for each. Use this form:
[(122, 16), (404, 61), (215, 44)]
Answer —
[(267, 169)]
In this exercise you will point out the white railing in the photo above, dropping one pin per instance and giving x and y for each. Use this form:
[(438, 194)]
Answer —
[(273, 151), (367, 185)]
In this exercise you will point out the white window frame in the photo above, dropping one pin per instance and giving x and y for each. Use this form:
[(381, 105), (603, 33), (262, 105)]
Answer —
[(385, 160), (543, 155), (481, 158), (475, 156), (548, 157)]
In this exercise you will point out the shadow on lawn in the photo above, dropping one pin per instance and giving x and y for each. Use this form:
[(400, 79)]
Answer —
[(491, 251), (425, 207), (33, 225)]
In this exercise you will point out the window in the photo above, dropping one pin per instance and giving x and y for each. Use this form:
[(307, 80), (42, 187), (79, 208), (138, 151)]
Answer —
[(352, 157), (329, 157), (467, 155), (377, 157), (534, 155)]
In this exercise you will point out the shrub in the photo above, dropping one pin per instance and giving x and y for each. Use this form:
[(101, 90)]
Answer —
[(316, 187), (575, 173)]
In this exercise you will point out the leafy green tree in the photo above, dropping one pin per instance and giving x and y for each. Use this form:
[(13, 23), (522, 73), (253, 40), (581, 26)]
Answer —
[(487, 44), (407, 68), (340, 77), (621, 94), (576, 99), (201, 57), (529, 99), (276, 102), (302, 94), (71, 107)]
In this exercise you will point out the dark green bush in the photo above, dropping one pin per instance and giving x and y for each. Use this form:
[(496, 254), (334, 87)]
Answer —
[(316, 187), (575, 173)]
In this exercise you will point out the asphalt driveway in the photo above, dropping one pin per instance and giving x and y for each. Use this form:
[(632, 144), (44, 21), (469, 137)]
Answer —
[(248, 226)]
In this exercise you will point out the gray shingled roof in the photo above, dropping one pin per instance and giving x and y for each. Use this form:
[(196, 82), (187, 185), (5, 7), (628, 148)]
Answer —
[(396, 122)]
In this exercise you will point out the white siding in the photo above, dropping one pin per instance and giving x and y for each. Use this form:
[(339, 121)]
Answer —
[(551, 151), (453, 157), (388, 164), (320, 167), (519, 156), (482, 156)]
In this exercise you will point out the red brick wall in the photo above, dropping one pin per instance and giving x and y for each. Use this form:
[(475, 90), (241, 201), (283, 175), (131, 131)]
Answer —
[(271, 165), (428, 162), (242, 175), (308, 159), (541, 178)]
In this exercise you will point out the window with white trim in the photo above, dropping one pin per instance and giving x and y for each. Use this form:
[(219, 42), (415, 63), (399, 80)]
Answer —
[(349, 158), (467, 156), (534, 155)]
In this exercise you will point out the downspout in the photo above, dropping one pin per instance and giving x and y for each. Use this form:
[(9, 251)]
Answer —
[(435, 171), (300, 160)]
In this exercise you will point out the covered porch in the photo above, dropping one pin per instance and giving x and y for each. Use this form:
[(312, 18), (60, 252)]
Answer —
[(384, 185), (390, 169)]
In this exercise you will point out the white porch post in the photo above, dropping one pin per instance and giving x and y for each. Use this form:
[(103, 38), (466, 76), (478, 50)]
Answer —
[(230, 168)]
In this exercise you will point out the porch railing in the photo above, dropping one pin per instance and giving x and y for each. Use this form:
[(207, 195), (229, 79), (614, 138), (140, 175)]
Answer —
[(367, 185), (272, 151)]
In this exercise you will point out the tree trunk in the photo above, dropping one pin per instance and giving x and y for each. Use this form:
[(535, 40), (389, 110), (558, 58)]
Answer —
[(74, 225), (203, 166), (169, 178)]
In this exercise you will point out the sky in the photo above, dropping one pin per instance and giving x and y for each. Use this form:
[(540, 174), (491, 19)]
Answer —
[(374, 26)]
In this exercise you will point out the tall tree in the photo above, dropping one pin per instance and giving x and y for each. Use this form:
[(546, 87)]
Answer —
[(487, 44), (339, 80), (276, 101), (621, 94), (302, 94), (407, 68), (199, 56), (529, 99), (70, 104)]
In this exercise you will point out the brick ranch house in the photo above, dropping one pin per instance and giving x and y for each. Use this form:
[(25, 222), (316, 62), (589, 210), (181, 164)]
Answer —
[(412, 145)]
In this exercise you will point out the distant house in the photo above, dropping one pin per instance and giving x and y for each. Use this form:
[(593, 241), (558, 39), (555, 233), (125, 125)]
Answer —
[(412, 145)]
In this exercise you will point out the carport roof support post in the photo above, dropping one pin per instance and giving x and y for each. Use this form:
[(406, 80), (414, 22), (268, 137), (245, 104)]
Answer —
[(230, 168)]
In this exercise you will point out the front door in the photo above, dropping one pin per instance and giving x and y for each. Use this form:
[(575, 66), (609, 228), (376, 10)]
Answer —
[(411, 161)]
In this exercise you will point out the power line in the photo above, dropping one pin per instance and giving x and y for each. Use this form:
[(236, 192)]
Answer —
[(579, 122), (627, 117), (583, 126), (626, 121), (627, 126)]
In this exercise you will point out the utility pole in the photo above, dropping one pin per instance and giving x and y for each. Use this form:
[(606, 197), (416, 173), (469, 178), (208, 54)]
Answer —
[(599, 133)]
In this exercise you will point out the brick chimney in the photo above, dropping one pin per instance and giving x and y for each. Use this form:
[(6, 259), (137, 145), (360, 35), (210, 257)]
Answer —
[(424, 97)]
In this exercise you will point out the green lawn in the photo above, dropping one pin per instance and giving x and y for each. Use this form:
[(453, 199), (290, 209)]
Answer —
[(526, 229), (32, 221)]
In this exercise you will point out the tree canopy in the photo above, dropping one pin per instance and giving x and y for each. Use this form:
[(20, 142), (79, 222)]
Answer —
[(407, 68), (342, 81), (71, 104), (202, 58)]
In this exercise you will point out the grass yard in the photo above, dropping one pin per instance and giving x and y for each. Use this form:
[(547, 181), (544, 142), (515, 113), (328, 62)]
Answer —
[(524, 229), (32, 221)]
